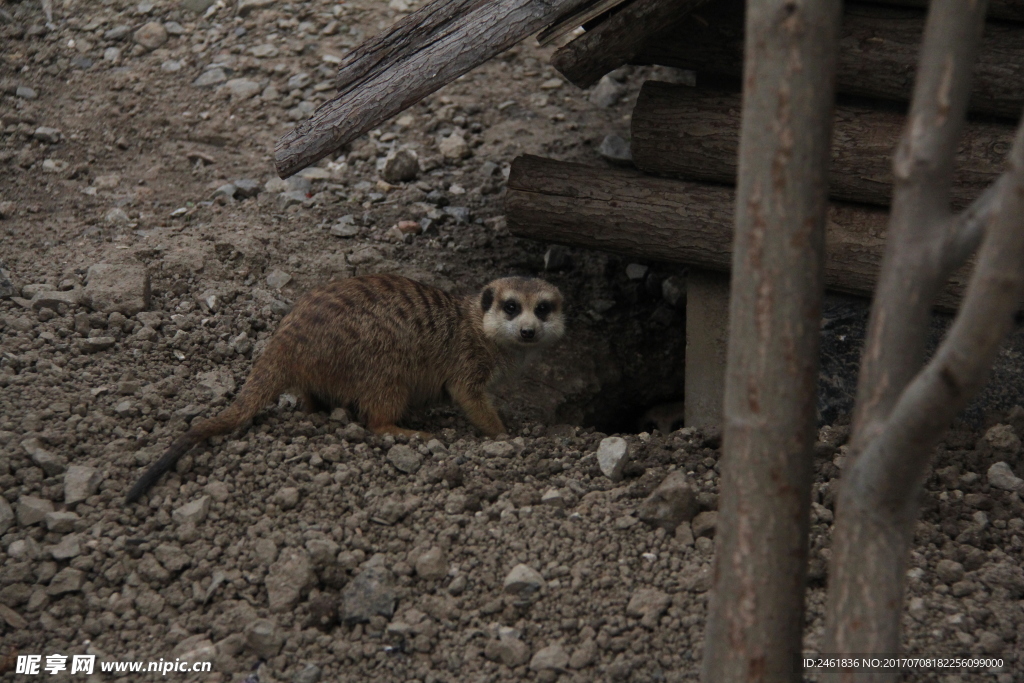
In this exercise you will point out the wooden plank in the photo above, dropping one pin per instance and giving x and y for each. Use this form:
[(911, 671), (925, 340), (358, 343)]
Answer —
[(659, 219), (400, 66), (693, 133), (878, 54), (618, 39)]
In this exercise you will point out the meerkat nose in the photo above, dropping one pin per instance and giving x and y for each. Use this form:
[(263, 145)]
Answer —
[(527, 333)]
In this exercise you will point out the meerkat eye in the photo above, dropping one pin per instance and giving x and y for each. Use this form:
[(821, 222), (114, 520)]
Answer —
[(543, 310), (512, 308)]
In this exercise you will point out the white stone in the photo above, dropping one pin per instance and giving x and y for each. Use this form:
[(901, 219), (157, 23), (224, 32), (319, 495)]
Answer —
[(1002, 477), (80, 482), (192, 513), (612, 455)]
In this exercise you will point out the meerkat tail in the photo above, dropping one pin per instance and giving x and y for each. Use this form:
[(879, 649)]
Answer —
[(257, 392)]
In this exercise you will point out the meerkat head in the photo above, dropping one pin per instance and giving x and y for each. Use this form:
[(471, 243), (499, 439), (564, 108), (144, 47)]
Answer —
[(522, 312)]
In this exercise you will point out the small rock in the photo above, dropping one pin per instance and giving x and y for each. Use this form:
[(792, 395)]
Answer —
[(298, 81), (67, 580), (648, 604), (245, 7), (612, 456), (288, 579), (112, 55), (551, 657), (309, 674), (584, 655), (264, 638), (173, 558), (95, 344), (607, 92), (553, 497), (50, 463), (247, 188), (616, 150), (31, 510), (1002, 477), (673, 502), (498, 449), (50, 136), (704, 524), (454, 146), (151, 35), (7, 516), (636, 271), (524, 582), (117, 33), (287, 497), (216, 384), (80, 482), (278, 278), (192, 513), (121, 287), (405, 459), (345, 227), (226, 190), (25, 92), (432, 565), (507, 649), (673, 291), (401, 166), (61, 522), (241, 88), (371, 592), (1002, 438), (949, 572), (210, 77)]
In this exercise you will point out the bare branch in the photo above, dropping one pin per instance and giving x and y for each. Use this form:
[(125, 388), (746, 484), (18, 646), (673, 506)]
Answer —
[(966, 230)]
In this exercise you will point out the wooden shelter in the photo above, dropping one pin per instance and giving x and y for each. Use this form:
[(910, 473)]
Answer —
[(677, 206)]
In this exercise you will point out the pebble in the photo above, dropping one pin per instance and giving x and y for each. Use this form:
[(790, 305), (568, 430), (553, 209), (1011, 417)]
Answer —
[(50, 463), (949, 572), (673, 291), (51, 136), (117, 33), (498, 449), (277, 278), (454, 146), (523, 582), (246, 7), (370, 593), (584, 655), (287, 498), (432, 565), (507, 649), (704, 524), (67, 580), (309, 674), (151, 35), (1002, 438), (264, 638), (612, 456), (405, 459), (80, 482), (226, 190), (672, 503), (401, 166), (120, 287), (117, 216), (241, 88), (551, 657), (264, 51), (25, 93), (615, 149), (211, 77), (170, 66), (6, 516), (95, 344), (31, 510), (193, 512), (246, 188), (607, 92), (288, 579), (552, 84), (648, 604), (553, 497), (112, 55), (1002, 477)]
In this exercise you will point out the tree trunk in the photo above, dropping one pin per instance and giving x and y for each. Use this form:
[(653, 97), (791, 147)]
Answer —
[(400, 66), (658, 219), (755, 621), (618, 39), (898, 419), (693, 133), (877, 55)]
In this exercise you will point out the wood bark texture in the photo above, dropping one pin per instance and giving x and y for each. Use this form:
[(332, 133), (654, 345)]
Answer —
[(877, 506), (618, 39), (756, 614), (400, 66), (877, 57), (693, 133), (659, 219)]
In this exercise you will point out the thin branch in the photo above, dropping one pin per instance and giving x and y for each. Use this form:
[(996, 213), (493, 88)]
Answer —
[(965, 231)]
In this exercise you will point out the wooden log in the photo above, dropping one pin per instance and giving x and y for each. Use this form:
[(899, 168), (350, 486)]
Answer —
[(400, 66), (693, 133), (618, 39), (659, 219), (877, 58)]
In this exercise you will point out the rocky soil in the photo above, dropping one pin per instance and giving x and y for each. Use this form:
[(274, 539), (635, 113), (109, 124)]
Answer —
[(148, 252)]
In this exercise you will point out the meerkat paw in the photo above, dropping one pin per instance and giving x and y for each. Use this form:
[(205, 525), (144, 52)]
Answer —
[(395, 429)]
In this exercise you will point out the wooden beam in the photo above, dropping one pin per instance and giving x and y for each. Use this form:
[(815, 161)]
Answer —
[(877, 57), (659, 219), (618, 39), (400, 66), (693, 134)]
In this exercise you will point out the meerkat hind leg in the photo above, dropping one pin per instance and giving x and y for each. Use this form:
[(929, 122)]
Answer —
[(478, 408), (382, 414)]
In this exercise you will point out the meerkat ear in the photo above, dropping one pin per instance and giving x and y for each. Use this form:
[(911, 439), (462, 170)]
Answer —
[(487, 299)]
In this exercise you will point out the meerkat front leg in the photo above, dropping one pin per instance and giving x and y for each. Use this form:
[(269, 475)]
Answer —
[(475, 402)]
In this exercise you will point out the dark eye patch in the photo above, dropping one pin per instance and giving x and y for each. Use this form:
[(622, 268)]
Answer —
[(511, 308), (543, 310), (487, 299)]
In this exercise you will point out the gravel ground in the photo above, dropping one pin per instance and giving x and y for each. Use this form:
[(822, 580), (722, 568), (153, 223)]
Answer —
[(148, 252)]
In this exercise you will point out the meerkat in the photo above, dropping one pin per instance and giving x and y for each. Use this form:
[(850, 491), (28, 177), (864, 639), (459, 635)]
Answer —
[(381, 343)]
